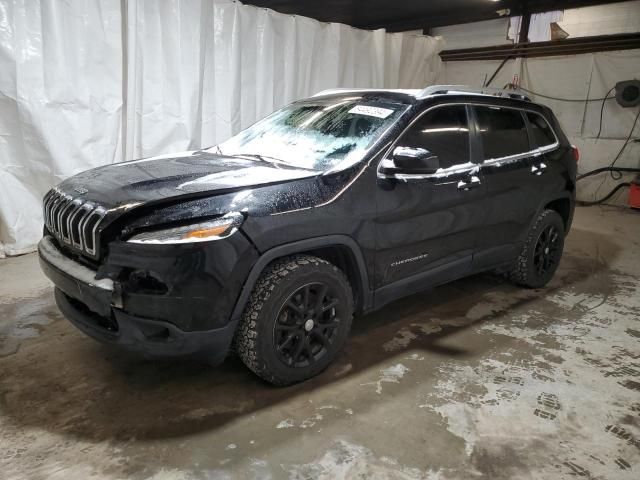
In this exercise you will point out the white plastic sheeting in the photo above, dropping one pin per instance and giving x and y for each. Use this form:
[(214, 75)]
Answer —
[(89, 82), (60, 103)]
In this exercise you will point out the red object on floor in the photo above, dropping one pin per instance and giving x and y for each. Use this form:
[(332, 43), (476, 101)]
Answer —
[(634, 193)]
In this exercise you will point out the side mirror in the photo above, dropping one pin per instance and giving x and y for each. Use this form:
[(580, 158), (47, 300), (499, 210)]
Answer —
[(408, 160)]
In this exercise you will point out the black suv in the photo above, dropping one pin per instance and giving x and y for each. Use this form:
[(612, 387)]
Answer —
[(270, 242)]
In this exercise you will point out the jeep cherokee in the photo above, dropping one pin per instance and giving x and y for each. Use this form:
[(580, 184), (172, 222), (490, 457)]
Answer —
[(270, 242)]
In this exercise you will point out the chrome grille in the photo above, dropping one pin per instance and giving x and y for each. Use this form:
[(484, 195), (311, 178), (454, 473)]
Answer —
[(73, 221)]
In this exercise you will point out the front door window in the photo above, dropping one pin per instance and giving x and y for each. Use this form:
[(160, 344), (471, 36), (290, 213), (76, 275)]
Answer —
[(444, 131)]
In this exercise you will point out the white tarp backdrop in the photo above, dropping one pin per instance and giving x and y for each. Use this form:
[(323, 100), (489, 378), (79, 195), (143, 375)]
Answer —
[(85, 83), (60, 103)]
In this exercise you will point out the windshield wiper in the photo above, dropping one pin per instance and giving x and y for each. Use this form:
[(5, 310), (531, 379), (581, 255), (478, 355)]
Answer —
[(271, 160), (255, 156), (262, 158), (276, 162)]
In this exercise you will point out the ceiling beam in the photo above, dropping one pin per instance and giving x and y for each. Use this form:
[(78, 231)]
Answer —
[(478, 13), (570, 46)]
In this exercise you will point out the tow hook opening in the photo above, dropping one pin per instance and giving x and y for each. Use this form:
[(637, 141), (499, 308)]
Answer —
[(105, 323), (145, 281), (156, 333)]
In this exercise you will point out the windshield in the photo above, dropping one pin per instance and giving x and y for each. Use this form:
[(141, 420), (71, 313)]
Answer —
[(316, 134)]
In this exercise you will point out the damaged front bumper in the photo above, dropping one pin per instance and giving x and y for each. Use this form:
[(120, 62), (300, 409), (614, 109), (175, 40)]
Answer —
[(97, 307)]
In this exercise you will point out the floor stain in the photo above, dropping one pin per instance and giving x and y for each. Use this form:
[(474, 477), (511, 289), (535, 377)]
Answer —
[(475, 379)]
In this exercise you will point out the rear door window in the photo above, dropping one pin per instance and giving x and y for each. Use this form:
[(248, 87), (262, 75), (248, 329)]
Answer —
[(502, 131), (541, 133)]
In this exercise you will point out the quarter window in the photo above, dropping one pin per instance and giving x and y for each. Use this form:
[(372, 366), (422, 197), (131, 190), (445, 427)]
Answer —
[(541, 133), (502, 132), (444, 131)]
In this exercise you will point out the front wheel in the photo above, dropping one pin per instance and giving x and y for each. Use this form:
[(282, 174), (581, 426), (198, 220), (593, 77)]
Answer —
[(297, 319), (541, 252)]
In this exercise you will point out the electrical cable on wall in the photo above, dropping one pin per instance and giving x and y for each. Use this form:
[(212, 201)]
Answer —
[(604, 100), (581, 100), (614, 172), (606, 197), (608, 169), (624, 146), (560, 99)]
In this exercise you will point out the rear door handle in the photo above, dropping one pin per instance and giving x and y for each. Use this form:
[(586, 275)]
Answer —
[(538, 169), (473, 182)]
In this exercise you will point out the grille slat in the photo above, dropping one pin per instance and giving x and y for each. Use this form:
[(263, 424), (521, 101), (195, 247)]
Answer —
[(56, 220), (47, 208), (73, 222), (62, 220), (90, 229), (54, 211), (48, 200), (83, 212)]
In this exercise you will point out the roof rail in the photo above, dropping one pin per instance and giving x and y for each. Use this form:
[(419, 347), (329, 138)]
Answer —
[(407, 91), (491, 91), (337, 90)]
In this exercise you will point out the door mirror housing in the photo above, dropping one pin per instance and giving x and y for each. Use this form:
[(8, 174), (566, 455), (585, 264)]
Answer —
[(408, 160)]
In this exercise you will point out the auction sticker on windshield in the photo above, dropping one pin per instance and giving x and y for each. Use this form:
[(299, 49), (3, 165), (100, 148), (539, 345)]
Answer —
[(378, 112)]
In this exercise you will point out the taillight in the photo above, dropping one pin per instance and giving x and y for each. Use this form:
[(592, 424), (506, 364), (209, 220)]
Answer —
[(576, 153)]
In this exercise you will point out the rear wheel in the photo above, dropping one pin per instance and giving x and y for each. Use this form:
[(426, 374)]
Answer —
[(541, 252), (297, 319)]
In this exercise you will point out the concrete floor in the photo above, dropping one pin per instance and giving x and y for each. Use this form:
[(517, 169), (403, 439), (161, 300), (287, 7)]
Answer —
[(477, 379)]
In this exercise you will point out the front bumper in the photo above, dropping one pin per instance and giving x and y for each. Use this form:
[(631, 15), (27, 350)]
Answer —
[(93, 306)]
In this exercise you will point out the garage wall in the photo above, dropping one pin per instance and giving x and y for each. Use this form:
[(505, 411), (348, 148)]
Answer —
[(622, 17), (90, 82)]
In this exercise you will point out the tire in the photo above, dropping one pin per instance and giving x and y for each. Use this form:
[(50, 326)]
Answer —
[(284, 336), (541, 252)]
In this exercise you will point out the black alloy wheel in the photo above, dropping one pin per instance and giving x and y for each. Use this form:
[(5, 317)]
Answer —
[(541, 252), (297, 319), (546, 254), (306, 325)]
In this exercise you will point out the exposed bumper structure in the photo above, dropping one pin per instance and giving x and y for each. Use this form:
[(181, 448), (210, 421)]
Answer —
[(75, 279), (152, 337), (94, 307)]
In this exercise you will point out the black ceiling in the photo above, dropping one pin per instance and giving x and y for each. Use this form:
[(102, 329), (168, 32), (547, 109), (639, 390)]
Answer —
[(398, 15)]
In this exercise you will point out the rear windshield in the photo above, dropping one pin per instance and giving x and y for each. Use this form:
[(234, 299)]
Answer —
[(317, 134)]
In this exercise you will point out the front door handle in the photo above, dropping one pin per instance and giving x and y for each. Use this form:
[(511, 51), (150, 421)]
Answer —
[(473, 182), (538, 169)]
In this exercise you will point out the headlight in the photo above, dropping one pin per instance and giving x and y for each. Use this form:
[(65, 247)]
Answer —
[(198, 232)]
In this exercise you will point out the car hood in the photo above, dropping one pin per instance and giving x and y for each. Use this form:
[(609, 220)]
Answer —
[(151, 180)]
